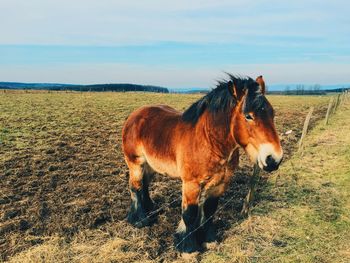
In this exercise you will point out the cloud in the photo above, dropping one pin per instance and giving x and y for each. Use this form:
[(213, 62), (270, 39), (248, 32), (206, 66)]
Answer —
[(108, 22)]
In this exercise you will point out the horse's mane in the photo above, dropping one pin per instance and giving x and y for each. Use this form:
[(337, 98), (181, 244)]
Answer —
[(220, 99)]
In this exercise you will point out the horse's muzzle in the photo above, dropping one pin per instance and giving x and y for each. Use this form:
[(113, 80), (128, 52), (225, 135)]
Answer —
[(271, 164)]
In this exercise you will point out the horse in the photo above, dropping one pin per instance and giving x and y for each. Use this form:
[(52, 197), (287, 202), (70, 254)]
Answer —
[(201, 147)]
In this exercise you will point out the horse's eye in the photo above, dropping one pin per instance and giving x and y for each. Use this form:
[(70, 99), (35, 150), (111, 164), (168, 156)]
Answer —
[(248, 117)]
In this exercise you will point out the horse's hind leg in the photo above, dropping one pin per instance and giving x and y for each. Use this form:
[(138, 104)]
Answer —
[(148, 174), (141, 203)]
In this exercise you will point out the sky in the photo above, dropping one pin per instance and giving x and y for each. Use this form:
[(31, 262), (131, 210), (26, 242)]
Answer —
[(176, 44)]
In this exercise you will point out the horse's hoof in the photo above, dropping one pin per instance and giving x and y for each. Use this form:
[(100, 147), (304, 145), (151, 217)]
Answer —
[(186, 244), (207, 235), (140, 220)]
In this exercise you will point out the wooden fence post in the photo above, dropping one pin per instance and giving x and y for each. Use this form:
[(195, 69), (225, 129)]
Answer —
[(306, 125), (328, 110), (341, 98), (336, 104), (253, 181), (344, 97)]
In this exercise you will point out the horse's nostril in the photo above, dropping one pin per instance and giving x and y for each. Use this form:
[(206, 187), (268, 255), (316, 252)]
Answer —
[(271, 164), (270, 161)]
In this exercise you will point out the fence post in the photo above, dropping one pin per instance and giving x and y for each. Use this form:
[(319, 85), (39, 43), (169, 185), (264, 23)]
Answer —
[(329, 110), (344, 97), (306, 125), (336, 104), (341, 98), (254, 179)]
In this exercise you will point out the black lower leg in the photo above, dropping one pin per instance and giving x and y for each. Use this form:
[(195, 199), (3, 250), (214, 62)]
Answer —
[(141, 206), (146, 199), (208, 231), (186, 238)]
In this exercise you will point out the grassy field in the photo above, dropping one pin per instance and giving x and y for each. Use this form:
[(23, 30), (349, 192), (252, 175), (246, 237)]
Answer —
[(64, 197)]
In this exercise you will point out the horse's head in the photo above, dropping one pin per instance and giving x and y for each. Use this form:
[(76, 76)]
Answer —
[(252, 123)]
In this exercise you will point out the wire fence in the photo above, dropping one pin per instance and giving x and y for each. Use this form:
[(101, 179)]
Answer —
[(334, 103)]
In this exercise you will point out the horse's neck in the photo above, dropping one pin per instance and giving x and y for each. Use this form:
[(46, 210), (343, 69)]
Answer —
[(217, 133)]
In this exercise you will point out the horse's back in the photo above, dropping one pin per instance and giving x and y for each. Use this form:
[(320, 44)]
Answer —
[(150, 116), (149, 134)]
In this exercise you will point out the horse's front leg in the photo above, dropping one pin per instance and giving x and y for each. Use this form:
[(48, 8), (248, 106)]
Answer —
[(185, 237), (208, 230), (207, 234)]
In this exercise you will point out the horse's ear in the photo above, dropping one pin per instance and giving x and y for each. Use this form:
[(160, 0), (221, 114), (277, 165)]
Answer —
[(261, 83), (236, 91)]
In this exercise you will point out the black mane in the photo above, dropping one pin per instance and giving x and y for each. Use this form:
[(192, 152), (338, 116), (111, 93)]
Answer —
[(221, 99)]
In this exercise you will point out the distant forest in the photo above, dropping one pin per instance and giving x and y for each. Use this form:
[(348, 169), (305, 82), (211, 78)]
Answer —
[(303, 90), (96, 87)]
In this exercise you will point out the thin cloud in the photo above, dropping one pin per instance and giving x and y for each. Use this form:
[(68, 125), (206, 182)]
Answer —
[(128, 22)]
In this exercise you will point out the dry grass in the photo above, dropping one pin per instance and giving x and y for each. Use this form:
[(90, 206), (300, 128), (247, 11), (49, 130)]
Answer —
[(63, 181)]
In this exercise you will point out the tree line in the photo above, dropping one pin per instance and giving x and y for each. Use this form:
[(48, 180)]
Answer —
[(96, 87)]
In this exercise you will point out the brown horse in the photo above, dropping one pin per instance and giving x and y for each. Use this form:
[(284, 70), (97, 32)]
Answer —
[(199, 146)]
